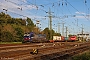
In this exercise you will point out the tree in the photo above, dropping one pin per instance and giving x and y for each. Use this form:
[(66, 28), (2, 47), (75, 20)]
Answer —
[(19, 34), (47, 32), (30, 22), (13, 29), (2, 18), (6, 36), (23, 23)]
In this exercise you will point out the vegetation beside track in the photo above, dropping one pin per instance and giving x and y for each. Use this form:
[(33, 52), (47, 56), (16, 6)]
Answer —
[(83, 56), (13, 29), (10, 42)]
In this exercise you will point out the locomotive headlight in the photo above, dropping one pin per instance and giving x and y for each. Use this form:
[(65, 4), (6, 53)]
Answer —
[(32, 37)]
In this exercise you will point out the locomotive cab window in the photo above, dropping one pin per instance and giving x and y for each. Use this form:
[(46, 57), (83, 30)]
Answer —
[(32, 35)]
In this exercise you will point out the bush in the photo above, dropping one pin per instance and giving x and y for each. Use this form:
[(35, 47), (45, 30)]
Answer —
[(6, 36), (85, 56)]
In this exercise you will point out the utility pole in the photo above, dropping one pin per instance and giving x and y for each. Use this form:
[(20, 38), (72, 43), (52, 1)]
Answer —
[(66, 31), (82, 29), (82, 32), (58, 27), (6, 12), (50, 17), (77, 22), (63, 29), (50, 22), (37, 22)]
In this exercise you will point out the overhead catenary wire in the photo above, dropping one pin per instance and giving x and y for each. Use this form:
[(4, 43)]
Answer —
[(73, 18), (79, 12), (20, 14), (58, 4), (76, 9)]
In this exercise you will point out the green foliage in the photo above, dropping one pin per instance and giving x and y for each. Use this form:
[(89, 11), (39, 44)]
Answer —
[(10, 42), (30, 23), (6, 36), (13, 29), (57, 34), (47, 32), (13, 32), (2, 15), (85, 56), (19, 33)]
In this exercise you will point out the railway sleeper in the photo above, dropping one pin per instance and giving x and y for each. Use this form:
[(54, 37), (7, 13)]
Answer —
[(69, 53)]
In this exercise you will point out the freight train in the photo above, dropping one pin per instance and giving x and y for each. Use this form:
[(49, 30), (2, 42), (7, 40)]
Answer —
[(34, 38), (63, 39)]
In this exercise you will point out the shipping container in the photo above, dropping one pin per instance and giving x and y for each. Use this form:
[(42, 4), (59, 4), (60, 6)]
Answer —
[(58, 38)]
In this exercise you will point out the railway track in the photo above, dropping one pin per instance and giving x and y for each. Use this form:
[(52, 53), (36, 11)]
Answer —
[(61, 53), (48, 50), (65, 55)]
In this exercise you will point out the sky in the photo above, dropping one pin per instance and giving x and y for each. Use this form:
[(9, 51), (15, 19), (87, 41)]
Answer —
[(75, 14)]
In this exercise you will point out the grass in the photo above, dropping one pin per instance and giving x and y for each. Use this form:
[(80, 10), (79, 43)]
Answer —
[(84, 56), (10, 42)]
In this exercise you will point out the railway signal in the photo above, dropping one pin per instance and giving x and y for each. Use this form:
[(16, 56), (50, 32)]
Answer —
[(34, 51)]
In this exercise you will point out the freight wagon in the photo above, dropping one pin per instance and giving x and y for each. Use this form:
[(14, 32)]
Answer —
[(58, 38), (63, 39), (71, 38)]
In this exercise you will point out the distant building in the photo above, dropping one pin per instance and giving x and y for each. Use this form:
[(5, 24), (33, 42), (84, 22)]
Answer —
[(83, 37)]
